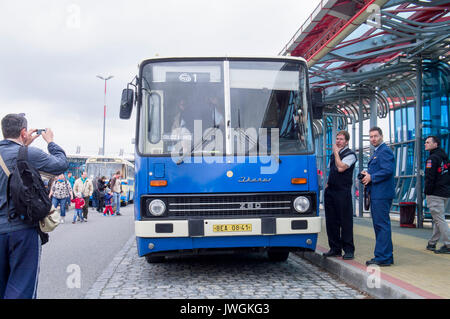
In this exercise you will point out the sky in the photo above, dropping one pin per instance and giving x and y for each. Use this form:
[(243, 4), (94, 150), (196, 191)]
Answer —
[(52, 50)]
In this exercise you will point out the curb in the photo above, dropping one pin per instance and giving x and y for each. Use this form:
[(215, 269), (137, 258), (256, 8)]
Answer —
[(359, 276)]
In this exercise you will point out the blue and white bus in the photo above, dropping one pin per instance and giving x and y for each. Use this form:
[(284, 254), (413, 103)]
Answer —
[(224, 156), (98, 166)]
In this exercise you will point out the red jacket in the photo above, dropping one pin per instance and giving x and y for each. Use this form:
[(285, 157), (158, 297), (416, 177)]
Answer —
[(79, 202)]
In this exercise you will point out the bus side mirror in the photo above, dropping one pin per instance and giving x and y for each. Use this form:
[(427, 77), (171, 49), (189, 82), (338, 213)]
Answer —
[(317, 104), (126, 104)]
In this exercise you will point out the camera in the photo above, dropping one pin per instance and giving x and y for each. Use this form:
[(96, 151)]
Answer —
[(39, 131), (361, 176)]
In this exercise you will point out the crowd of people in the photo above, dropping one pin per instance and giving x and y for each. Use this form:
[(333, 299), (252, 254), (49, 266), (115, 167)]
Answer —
[(64, 190)]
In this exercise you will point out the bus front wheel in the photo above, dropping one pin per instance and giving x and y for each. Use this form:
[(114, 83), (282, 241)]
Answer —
[(278, 255), (155, 259)]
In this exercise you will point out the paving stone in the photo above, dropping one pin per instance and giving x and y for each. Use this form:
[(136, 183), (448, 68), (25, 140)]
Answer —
[(215, 277)]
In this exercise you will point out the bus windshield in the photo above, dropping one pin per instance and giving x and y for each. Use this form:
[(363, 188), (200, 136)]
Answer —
[(231, 107), (103, 169)]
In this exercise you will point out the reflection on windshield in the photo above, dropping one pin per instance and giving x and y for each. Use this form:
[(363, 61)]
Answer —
[(184, 108), (270, 95)]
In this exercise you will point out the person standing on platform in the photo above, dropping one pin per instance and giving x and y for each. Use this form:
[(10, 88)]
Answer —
[(108, 203), (79, 204), (338, 199), (437, 192), (60, 193), (84, 186), (71, 179), (116, 188), (101, 185), (379, 180)]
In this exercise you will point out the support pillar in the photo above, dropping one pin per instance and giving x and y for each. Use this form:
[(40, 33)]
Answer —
[(418, 144), (360, 157), (324, 157)]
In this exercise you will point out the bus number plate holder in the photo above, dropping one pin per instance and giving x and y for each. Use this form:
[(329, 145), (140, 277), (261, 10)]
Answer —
[(232, 228)]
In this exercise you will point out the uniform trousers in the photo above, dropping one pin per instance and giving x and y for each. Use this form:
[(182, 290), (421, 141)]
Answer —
[(339, 219), (379, 209)]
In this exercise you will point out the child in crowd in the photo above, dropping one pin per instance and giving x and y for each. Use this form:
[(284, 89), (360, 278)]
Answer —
[(79, 204), (108, 202)]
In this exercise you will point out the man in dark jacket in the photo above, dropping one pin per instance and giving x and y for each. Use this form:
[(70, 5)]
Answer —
[(437, 192), (20, 245), (101, 194)]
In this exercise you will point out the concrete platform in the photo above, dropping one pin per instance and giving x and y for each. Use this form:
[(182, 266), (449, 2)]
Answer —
[(417, 273)]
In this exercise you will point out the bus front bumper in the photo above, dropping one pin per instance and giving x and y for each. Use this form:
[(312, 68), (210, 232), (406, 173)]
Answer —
[(228, 227)]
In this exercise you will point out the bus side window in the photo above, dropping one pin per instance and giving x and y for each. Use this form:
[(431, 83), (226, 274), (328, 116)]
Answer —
[(130, 172), (154, 133)]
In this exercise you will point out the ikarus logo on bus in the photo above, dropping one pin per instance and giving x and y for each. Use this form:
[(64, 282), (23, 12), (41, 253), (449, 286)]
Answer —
[(185, 77), (254, 180)]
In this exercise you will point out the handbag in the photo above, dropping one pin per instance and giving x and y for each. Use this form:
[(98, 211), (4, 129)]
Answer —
[(51, 221)]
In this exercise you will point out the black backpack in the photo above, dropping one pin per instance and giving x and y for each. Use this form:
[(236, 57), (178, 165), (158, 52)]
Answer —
[(27, 191)]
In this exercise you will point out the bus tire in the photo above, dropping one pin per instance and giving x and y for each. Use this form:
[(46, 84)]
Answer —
[(278, 255), (155, 259)]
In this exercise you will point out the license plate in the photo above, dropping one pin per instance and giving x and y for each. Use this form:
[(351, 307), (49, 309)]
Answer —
[(232, 227)]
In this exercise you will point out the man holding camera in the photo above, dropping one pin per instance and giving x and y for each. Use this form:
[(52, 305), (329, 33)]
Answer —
[(20, 244), (338, 199), (379, 181)]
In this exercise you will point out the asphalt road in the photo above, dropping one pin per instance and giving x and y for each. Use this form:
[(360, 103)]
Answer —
[(77, 254)]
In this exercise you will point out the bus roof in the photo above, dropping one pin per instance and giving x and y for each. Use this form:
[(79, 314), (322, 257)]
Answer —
[(279, 57), (107, 159)]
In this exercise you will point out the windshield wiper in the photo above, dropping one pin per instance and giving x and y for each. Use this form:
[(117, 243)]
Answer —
[(255, 143), (195, 147)]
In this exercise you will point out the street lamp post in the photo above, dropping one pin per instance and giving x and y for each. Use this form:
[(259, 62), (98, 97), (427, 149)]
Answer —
[(104, 109)]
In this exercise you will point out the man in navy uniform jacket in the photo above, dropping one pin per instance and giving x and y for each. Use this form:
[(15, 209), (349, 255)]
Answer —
[(379, 180)]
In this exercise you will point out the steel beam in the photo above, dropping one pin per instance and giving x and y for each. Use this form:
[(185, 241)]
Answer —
[(418, 145)]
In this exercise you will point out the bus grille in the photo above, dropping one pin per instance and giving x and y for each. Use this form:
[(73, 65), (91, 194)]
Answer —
[(226, 205)]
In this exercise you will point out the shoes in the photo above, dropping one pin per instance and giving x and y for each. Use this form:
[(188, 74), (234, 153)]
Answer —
[(119, 214), (62, 221), (73, 222), (348, 256), (443, 250), (332, 253), (378, 263), (431, 247)]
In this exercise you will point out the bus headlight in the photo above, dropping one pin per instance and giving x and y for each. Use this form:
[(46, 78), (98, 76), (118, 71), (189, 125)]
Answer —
[(302, 204), (157, 207)]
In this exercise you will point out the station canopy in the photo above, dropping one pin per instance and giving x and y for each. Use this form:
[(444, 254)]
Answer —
[(364, 49)]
